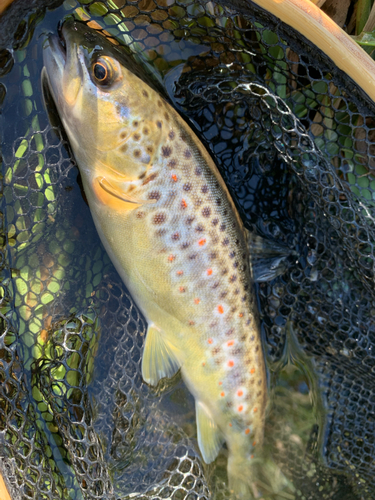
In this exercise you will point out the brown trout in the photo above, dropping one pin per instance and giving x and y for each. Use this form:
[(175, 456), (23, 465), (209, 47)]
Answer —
[(171, 229)]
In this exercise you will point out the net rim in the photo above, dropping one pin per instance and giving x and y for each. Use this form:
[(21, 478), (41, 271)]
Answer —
[(309, 20)]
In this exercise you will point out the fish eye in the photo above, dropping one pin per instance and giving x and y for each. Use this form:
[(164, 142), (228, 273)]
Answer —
[(100, 71), (105, 71)]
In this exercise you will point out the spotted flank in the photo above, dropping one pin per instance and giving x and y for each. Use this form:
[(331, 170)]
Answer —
[(170, 227)]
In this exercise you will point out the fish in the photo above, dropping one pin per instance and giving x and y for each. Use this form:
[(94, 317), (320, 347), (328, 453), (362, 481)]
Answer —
[(171, 228)]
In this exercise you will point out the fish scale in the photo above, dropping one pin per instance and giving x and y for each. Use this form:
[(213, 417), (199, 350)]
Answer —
[(171, 229)]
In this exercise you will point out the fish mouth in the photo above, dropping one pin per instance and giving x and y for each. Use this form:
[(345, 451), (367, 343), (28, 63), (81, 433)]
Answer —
[(55, 52)]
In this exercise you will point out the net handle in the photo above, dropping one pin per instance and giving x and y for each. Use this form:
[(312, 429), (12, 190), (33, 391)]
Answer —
[(4, 495), (316, 26)]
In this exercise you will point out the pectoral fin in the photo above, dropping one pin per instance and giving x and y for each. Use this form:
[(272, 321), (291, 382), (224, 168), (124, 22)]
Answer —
[(210, 439), (115, 189), (159, 357)]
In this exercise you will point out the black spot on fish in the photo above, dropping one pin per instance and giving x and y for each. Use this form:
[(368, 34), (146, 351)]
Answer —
[(225, 242), (150, 149), (233, 278), (159, 124), (232, 255), (135, 123), (187, 153), (171, 135), (124, 148), (159, 218), (198, 171), (187, 186), (185, 245), (176, 236), (145, 93), (137, 153), (218, 201), (223, 294), (136, 137), (146, 131), (224, 272), (172, 163), (206, 212), (123, 135), (190, 219), (213, 255), (204, 189), (235, 265), (166, 116), (154, 195), (199, 228), (166, 151), (193, 256), (215, 222), (140, 215), (160, 104), (223, 227)]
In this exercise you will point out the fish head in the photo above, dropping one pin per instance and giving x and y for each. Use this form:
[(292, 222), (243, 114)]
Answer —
[(102, 105)]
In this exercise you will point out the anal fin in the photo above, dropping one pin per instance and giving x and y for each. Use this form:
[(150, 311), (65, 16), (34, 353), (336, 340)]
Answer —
[(210, 438), (159, 358)]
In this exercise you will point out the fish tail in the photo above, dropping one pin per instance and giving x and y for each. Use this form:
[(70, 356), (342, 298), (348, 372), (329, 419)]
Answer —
[(242, 477)]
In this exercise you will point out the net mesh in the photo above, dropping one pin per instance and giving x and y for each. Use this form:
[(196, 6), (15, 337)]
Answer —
[(293, 138)]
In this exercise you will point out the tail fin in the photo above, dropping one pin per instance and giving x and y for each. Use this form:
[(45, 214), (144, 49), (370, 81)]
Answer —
[(241, 476), (252, 478)]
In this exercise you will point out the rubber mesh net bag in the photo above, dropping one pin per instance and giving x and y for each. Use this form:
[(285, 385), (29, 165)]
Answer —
[(283, 101)]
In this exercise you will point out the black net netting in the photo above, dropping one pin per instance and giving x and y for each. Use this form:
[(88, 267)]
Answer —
[(293, 137)]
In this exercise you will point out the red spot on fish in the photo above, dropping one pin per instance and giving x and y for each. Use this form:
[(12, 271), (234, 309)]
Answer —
[(183, 204), (254, 443), (239, 393), (180, 273), (222, 394), (247, 431), (197, 302), (230, 425), (174, 177), (240, 408), (255, 410), (171, 258), (220, 383), (230, 363), (220, 309), (203, 364), (209, 272), (191, 323), (252, 456), (252, 370), (182, 289), (210, 341), (230, 343), (240, 315), (202, 242)]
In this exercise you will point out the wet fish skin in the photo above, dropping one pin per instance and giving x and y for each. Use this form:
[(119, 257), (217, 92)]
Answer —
[(171, 229)]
